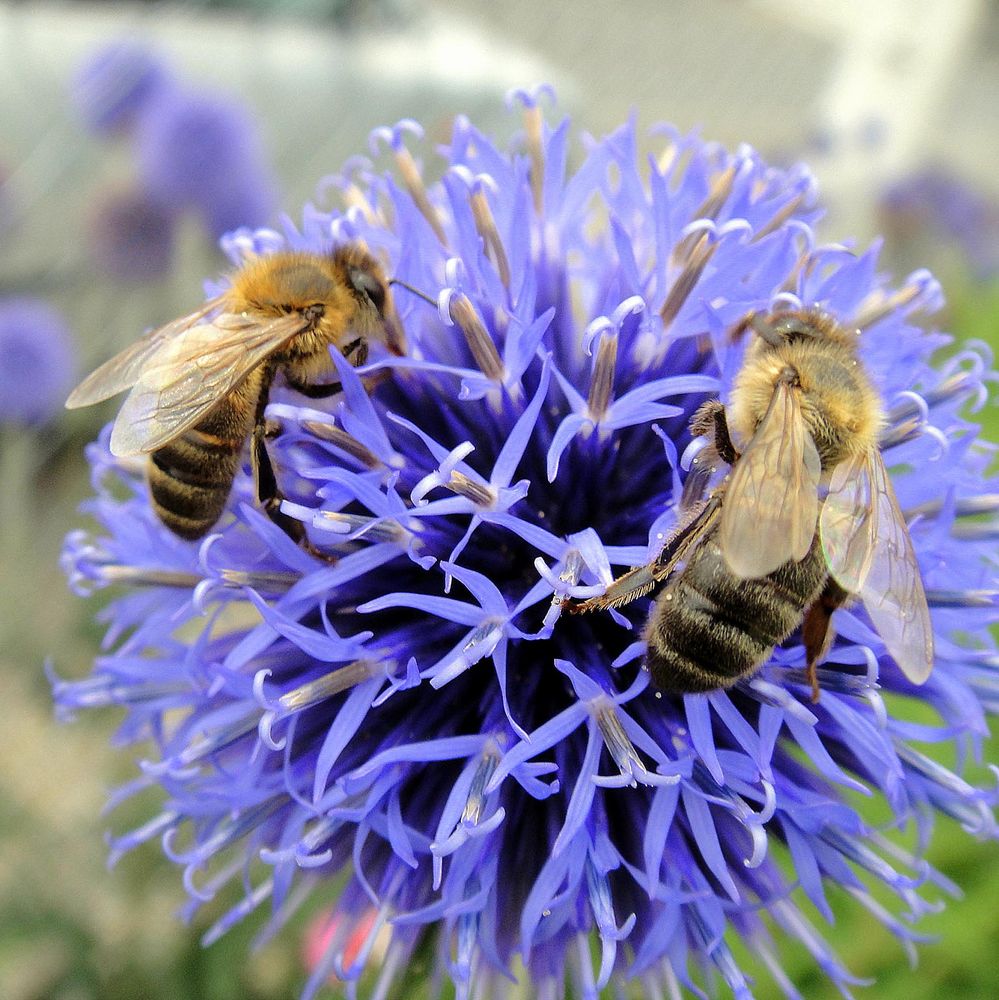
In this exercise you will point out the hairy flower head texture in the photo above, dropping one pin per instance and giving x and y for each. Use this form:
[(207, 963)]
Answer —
[(412, 730)]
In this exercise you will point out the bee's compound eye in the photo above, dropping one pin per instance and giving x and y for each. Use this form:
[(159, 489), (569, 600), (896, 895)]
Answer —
[(365, 282)]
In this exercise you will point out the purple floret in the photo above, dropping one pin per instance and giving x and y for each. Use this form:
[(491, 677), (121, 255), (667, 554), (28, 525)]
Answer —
[(417, 722)]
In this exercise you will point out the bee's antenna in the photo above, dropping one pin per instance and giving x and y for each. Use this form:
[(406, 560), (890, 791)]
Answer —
[(415, 291)]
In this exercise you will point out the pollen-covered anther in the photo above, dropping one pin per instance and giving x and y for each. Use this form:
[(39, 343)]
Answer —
[(328, 685), (354, 198), (306, 695), (374, 529), (480, 343), (202, 746), (632, 770), (721, 188), (602, 382), (480, 494), (962, 598), (534, 137), (267, 581), (685, 282), (485, 224), (904, 430), (785, 212), (472, 812), (880, 303), (344, 441), (146, 576), (984, 503), (413, 180), (347, 182), (958, 383)]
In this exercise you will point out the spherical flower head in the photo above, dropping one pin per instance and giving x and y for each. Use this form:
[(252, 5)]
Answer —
[(196, 150), (38, 361), (132, 236), (414, 720), (117, 84)]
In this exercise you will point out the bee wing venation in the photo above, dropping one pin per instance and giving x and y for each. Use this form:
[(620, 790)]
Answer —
[(893, 589), (848, 523), (191, 374), (124, 369), (771, 503)]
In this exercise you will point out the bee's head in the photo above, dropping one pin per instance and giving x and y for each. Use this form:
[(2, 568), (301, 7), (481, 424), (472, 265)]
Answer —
[(776, 329), (366, 281), (368, 285)]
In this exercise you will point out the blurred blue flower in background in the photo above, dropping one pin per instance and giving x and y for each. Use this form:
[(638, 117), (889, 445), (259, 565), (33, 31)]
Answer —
[(414, 727), (117, 84), (937, 204), (38, 361), (195, 151), (204, 151)]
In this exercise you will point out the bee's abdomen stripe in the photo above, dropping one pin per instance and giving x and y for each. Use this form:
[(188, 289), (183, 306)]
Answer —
[(695, 630), (198, 437), (710, 628), (195, 468), (190, 484)]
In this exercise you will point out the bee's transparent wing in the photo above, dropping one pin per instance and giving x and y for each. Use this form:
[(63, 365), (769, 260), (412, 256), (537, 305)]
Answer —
[(124, 369), (848, 523), (893, 589), (771, 504), (189, 375)]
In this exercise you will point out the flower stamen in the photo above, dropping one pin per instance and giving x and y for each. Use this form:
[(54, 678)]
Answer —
[(701, 252), (343, 441)]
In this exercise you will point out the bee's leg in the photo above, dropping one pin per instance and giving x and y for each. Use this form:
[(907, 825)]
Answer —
[(269, 496), (816, 631), (314, 390), (356, 352), (710, 420), (640, 580)]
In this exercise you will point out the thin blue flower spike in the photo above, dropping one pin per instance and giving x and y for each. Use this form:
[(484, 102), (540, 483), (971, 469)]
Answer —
[(416, 722)]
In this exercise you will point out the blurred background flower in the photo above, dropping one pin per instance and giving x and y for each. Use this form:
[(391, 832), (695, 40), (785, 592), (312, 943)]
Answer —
[(116, 85), (38, 363), (890, 89)]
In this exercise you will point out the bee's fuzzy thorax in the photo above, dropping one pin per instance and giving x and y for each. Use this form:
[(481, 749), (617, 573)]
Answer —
[(839, 405)]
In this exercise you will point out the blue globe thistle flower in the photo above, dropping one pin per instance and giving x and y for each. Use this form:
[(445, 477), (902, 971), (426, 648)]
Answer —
[(414, 728), (205, 152), (117, 84), (38, 361)]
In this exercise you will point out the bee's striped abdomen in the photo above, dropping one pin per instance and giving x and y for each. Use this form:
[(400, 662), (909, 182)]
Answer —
[(710, 627), (190, 478)]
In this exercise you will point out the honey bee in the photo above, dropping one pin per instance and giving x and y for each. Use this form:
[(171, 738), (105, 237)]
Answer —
[(805, 520), (199, 384)]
